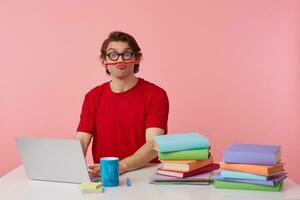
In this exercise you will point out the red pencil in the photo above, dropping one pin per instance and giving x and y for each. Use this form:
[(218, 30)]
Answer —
[(121, 63)]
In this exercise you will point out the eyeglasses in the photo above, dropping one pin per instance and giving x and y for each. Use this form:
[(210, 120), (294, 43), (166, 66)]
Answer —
[(114, 56)]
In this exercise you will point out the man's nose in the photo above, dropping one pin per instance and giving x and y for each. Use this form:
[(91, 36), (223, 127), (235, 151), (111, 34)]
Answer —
[(120, 59)]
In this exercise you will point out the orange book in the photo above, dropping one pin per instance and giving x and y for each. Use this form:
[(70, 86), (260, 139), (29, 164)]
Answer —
[(185, 165), (265, 170)]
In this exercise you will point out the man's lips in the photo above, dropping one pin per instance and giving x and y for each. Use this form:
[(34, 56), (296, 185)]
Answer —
[(121, 66)]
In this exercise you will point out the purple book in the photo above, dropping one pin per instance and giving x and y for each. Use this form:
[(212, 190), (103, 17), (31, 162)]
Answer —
[(274, 180), (252, 154)]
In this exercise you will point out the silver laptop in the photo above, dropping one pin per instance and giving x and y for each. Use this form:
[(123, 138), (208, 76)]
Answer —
[(58, 160)]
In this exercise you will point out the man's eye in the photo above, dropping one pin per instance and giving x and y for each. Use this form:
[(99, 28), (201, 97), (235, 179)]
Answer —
[(127, 54), (113, 54)]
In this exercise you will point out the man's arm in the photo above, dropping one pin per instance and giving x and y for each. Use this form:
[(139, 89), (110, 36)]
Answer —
[(144, 154), (85, 139)]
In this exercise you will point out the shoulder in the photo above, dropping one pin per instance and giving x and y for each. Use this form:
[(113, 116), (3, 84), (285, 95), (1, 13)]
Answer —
[(96, 91), (154, 93), (152, 89)]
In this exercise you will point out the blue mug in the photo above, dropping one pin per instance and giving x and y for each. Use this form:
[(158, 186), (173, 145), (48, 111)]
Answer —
[(109, 171)]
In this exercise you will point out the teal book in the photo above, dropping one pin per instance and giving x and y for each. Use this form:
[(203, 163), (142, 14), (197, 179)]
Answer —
[(178, 142), (193, 154), (242, 175), (246, 186)]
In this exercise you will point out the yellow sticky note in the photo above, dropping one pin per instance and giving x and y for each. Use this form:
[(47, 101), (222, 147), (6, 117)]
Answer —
[(88, 191), (90, 185)]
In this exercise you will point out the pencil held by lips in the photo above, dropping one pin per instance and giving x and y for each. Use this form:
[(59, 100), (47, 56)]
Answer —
[(121, 63)]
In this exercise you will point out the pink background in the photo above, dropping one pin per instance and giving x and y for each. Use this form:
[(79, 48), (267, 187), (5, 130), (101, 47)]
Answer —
[(231, 68)]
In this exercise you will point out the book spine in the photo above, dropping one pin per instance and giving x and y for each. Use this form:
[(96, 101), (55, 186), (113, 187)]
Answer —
[(254, 170), (175, 145), (184, 155), (246, 186), (241, 175), (250, 158), (173, 168), (203, 163), (258, 182)]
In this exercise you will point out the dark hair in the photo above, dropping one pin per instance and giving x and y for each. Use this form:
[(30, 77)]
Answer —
[(118, 36)]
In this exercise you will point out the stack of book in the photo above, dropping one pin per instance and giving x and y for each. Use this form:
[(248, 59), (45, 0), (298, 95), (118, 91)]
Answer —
[(251, 167), (91, 188), (184, 156)]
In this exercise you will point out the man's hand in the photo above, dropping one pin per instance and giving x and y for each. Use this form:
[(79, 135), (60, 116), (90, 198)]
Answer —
[(122, 167), (94, 169), (144, 154)]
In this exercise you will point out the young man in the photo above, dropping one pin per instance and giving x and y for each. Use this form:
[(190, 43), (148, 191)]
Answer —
[(123, 115)]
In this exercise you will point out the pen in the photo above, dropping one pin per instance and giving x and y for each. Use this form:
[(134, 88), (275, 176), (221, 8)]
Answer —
[(128, 182)]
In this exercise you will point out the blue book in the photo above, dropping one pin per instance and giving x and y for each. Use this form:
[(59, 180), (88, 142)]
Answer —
[(178, 142), (253, 154), (273, 181), (241, 175)]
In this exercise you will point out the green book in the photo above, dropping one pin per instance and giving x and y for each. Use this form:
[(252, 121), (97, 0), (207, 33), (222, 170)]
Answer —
[(246, 186), (192, 154)]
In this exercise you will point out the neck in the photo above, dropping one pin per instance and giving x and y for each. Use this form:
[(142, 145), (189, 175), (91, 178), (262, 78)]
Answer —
[(121, 85)]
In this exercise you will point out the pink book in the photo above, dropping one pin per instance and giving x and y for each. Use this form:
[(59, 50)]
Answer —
[(173, 173)]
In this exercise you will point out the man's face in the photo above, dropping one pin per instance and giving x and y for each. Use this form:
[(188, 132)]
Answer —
[(119, 71)]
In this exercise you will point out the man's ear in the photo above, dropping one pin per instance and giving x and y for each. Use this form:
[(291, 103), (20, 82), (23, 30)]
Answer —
[(103, 62), (139, 59)]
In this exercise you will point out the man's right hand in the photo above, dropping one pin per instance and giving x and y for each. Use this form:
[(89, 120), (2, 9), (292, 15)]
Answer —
[(94, 169)]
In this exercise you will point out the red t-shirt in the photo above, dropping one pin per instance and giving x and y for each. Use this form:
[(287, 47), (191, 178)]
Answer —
[(118, 121)]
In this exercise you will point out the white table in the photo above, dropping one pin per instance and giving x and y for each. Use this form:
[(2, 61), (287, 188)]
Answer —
[(16, 185)]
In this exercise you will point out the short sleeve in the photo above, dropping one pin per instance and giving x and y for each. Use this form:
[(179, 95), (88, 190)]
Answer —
[(87, 116), (158, 111)]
